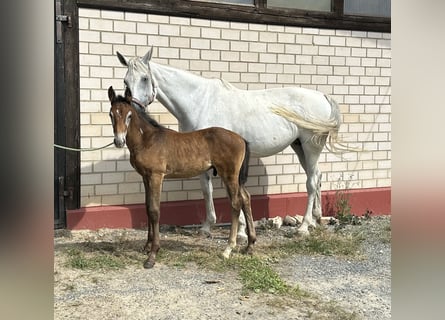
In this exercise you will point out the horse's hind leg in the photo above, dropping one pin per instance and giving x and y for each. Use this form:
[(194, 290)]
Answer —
[(207, 190), (308, 154)]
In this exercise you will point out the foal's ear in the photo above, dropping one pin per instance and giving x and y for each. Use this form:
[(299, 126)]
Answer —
[(128, 95), (147, 56), (111, 94)]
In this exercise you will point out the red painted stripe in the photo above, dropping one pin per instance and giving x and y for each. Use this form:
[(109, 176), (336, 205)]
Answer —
[(378, 200)]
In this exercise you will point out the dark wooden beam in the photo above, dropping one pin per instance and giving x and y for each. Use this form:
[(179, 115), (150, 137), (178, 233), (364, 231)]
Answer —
[(240, 13)]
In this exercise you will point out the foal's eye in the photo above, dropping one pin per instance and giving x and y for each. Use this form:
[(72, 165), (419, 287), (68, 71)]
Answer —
[(145, 78)]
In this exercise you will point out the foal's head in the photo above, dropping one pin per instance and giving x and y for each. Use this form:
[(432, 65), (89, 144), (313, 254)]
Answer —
[(120, 114)]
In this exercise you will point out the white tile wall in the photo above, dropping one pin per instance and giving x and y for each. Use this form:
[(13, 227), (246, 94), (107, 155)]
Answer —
[(353, 66)]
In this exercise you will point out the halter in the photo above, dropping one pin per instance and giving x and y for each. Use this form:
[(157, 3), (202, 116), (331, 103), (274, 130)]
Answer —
[(153, 84)]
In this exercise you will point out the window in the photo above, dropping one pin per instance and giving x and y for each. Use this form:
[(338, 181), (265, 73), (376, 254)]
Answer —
[(377, 8), (243, 2), (314, 5)]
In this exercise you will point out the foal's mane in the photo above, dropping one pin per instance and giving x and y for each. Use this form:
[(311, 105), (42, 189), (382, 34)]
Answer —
[(143, 115)]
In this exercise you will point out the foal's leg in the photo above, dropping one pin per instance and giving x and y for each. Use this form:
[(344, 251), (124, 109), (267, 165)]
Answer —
[(147, 209), (235, 200), (247, 210), (154, 215), (207, 190)]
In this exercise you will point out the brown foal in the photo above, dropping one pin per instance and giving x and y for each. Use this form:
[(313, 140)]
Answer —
[(159, 153)]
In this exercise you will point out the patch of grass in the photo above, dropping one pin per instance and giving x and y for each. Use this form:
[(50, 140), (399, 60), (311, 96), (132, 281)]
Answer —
[(256, 275), (321, 241), (79, 259)]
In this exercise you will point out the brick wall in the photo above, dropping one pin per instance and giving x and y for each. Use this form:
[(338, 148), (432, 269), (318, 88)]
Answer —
[(352, 66)]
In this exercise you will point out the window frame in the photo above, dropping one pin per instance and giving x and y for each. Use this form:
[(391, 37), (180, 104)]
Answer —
[(257, 13)]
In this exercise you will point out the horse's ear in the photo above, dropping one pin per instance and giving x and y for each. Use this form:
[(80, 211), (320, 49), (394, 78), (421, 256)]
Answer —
[(111, 94), (122, 59), (128, 95), (147, 56)]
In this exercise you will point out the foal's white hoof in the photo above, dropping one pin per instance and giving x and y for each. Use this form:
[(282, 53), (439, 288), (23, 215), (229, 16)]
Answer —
[(227, 252), (241, 238)]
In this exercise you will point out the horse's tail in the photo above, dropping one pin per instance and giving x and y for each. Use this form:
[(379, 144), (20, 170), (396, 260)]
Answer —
[(325, 132), (244, 170)]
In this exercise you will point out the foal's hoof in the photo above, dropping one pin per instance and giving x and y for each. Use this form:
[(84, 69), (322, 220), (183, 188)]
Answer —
[(148, 264), (241, 238)]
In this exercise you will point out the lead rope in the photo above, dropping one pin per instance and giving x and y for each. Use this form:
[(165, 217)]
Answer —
[(81, 149)]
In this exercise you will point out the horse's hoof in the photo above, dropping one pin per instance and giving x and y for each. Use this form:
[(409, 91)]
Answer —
[(148, 264), (248, 251), (303, 232), (205, 233), (241, 238)]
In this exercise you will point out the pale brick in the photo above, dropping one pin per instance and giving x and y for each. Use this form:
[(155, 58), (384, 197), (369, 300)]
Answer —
[(200, 44), (211, 33), (268, 37), (220, 45), (239, 46), (112, 37), (292, 49), (169, 53), (158, 18), (189, 54), (230, 34), (106, 189), (180, 20), (230, 56), (124, 26), (188, 31), (249, 35), (101, 25), (89, 36), (136, 39), (112, 199), (286, 38), (116, 15), (112, 177)]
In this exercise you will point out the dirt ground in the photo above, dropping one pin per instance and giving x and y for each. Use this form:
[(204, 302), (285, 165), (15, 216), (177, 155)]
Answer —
[(339, 287)]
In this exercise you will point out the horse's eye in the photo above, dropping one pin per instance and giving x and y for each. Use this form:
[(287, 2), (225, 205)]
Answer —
[(145, 78)]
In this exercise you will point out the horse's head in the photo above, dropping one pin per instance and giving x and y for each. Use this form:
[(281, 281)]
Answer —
[(139, 78), (120, 114)]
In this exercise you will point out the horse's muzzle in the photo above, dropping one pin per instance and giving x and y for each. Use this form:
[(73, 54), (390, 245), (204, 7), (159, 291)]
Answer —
[(119, 143)]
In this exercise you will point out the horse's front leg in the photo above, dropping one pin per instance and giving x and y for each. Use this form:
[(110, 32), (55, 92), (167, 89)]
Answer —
[(207, 190), (154, 212)]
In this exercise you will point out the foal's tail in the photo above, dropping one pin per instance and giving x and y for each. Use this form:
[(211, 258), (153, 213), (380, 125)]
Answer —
[(244, 171)]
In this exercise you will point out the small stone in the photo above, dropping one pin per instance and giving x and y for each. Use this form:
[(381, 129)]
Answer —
[(275, 223), (290, 221)]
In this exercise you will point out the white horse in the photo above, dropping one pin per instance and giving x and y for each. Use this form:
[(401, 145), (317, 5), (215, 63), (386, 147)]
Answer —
[(270, 120)]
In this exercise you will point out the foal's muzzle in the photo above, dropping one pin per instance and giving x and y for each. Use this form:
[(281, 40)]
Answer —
[(119, 142)]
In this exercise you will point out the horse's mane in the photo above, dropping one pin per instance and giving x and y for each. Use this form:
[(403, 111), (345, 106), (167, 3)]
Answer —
[(144, 116)]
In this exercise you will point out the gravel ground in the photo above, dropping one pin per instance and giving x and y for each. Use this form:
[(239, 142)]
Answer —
[(361, 287)]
